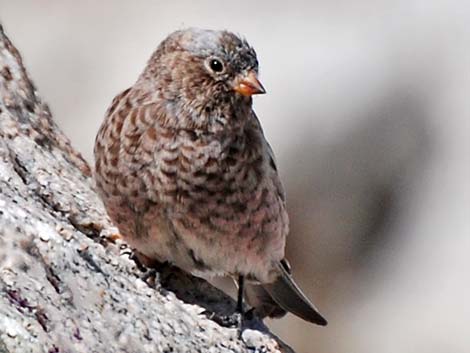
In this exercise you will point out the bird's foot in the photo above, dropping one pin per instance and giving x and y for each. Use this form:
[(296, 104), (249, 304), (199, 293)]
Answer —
[(152, 277), (151, 269), (133, 256), (235, 320)]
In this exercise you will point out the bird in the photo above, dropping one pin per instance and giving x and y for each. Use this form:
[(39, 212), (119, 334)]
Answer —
[(186, 174)]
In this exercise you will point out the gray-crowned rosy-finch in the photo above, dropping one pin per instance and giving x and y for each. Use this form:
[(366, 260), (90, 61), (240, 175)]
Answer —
[(187, 175)]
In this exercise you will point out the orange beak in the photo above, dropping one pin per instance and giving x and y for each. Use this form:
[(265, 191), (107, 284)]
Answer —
[(249, 84)]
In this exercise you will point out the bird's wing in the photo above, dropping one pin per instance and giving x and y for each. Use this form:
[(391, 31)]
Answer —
[(272, 163), (127, 146)]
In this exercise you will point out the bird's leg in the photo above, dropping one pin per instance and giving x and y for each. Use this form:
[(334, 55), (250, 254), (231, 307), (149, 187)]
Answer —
[(241, 281)]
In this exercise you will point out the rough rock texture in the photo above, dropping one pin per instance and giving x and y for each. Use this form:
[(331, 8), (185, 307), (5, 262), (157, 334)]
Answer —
[(66, 281)]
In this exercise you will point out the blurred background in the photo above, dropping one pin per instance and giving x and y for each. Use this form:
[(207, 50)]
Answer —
[(368, 113)]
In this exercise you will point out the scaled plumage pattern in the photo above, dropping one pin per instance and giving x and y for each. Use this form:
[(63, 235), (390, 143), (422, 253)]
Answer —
[(187, 175)]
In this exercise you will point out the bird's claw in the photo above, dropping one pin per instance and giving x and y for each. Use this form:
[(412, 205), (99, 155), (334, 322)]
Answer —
[(152, 278), (234, 320)]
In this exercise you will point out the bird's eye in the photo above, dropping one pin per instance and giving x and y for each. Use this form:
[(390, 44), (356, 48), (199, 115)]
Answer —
[(216, 65)]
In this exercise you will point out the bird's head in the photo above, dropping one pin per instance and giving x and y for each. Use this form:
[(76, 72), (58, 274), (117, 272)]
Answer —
[(205, 73)]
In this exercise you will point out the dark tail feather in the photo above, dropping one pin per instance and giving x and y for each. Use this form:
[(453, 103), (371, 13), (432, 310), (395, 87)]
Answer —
[(262, 302), (285, 292)]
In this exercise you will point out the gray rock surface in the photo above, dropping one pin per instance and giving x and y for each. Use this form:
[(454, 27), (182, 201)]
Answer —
[(67, 283)]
